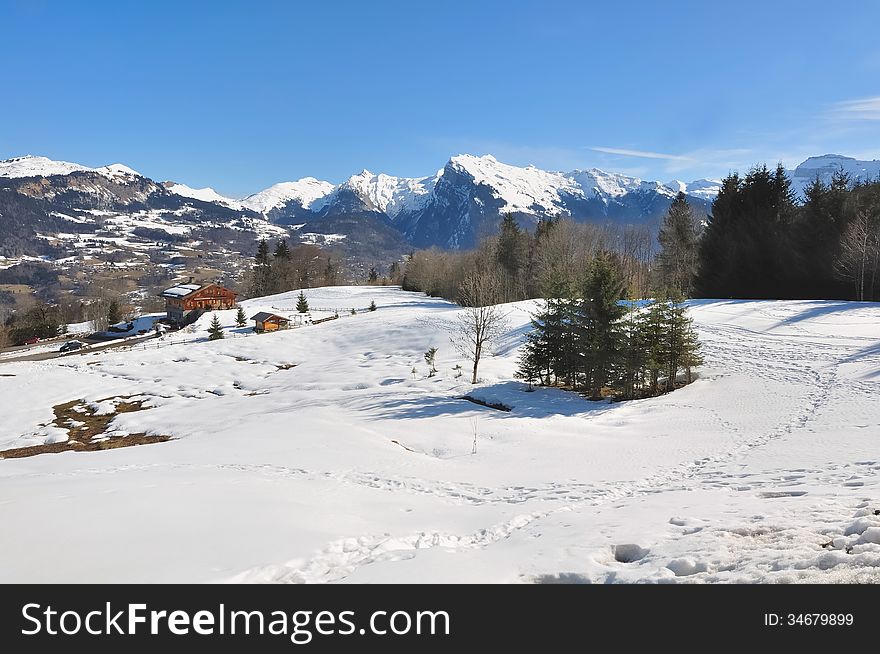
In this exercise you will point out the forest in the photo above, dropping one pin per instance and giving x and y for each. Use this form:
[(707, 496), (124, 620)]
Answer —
[(612, 320)]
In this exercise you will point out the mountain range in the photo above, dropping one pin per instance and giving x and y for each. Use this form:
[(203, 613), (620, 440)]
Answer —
[(452, 208)]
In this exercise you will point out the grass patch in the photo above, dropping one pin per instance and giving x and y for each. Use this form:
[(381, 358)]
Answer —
[(84, 428)]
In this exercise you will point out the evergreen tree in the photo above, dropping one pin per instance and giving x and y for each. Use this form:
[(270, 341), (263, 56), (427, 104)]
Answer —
[(302, 305), (372, 306), (215, 331), (538, 240), (373, 277), (720, 243), (114, 315), (678, 325), (746, 251), (281, 272), (261, 275), (511, 253), (262, 256), (510, 250), (597, 327), (632, 353), (528, 368), (679, 242), (654, 327), (240, 318), (282, 250), (547, 340), (691, 352)]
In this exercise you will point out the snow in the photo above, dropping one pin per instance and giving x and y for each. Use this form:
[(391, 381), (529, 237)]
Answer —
[(826, 165), (116, 170), (315, 455), (313, 238), (306, 191), (141, 323), (386, 193), (85, 327), (704, 188), (31, 166), (181, 290), (520, 188), (206, 194), (525, 189)]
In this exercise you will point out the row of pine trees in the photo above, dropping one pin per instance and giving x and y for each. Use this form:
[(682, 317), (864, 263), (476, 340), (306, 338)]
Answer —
[(759, 242), (587, 339)]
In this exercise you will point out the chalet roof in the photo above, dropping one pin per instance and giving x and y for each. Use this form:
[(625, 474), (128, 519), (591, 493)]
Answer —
[(181, 290), (185, 290), (263, 316)]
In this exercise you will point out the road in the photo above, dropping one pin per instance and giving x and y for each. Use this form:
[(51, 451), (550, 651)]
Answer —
[(94, 348)]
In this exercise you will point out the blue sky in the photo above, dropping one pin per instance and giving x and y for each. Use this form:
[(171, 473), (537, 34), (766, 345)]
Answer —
[(240, 95)]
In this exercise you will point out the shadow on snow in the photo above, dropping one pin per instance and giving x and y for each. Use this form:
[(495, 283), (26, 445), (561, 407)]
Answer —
[(539, 403)]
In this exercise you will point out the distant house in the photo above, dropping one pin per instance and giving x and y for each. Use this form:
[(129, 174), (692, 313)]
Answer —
[(186, 302), (270, 322)]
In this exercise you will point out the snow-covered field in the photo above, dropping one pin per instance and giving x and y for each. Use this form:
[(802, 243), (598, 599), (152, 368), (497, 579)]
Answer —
[(348, 467)]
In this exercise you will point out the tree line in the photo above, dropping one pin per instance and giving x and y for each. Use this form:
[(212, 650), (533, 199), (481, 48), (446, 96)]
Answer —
[(531, 264), (758, 241), (761, 243), (289, 267), (39, 319)]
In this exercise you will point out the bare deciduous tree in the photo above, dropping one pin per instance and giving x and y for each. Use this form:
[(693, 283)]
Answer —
[(482, 321), (859, 250)]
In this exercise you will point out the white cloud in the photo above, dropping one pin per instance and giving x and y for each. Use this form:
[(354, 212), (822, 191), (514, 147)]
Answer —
[(864, 109), (638, 153)]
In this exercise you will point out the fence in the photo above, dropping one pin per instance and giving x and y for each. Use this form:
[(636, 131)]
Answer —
[(156, 343), (165, 341)]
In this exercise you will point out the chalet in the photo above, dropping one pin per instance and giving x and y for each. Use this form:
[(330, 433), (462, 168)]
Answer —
[(270, 322), (186, 302)]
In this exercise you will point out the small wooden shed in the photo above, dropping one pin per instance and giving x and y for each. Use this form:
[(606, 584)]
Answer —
[(270, 322)]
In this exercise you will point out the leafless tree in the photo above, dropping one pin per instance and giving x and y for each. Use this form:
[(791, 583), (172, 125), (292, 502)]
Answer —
[(566, 252), (859, 249), (482, 321)]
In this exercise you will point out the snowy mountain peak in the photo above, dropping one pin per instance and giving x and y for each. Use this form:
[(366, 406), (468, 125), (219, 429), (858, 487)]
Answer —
[(825, 166), (34, 166), (521, 189), (386, 193), (117, 169), (306, 191), (206, 194)]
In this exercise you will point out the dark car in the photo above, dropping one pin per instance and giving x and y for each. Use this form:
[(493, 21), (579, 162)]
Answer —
[(32, 341), (70, 346)]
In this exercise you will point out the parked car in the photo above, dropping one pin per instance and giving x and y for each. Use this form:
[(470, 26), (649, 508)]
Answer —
[(70, 346), (32, 341)]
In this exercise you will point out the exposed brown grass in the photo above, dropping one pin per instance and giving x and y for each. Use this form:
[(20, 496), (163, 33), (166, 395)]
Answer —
[(83, 426)]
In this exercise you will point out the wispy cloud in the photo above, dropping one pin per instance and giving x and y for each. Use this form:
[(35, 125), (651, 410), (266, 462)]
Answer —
[(638, 153), (864, 109)]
